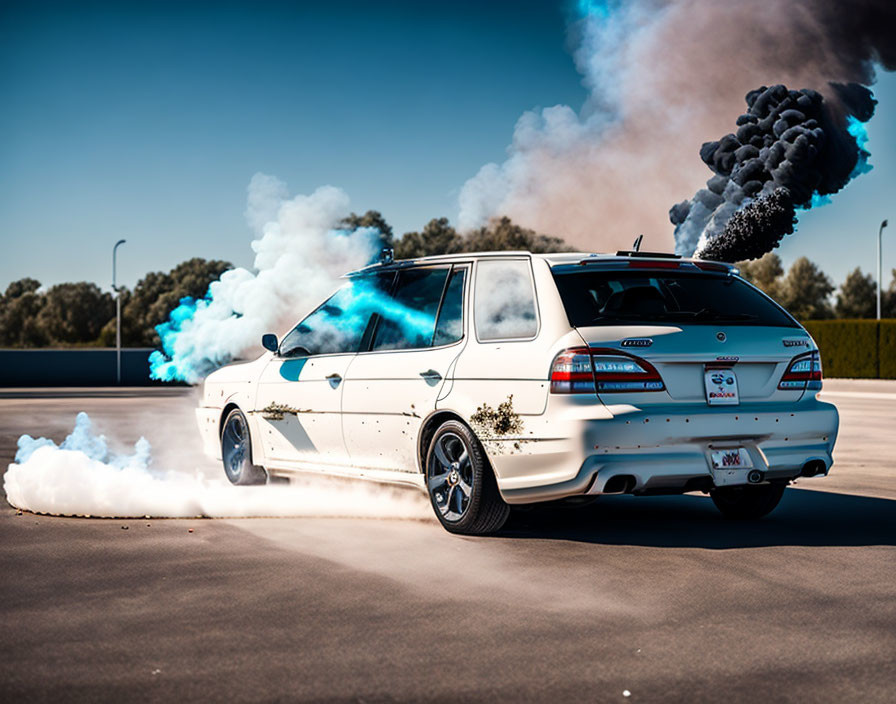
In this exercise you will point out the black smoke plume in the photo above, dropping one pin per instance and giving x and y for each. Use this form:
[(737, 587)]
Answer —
[(787, 139), (754, 229)]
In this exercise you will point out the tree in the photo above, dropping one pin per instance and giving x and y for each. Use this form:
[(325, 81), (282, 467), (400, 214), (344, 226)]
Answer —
[(157, 294), (374, 219), (75, 313), (764, 273), (857, 297), (501, 233), (21, 287), (19, 308), (438, 237), (805, 291)]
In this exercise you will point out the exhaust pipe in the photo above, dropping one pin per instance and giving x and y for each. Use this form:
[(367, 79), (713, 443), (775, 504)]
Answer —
[(754, 477), (619, 484), (813, 468)]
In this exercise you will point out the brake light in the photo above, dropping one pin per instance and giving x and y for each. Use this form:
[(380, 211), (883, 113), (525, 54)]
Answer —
[(804, 372), (647, 264), (571, 372), (582, 370)]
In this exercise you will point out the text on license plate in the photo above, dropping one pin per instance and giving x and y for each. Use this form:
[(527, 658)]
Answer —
[(721, 387), (732, 458)]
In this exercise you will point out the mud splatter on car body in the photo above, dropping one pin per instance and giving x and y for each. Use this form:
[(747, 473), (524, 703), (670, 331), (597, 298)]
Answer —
[(496, 423)]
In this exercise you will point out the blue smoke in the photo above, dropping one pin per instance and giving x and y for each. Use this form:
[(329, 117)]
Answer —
[(859, 132), (165, 365), (597, 8)]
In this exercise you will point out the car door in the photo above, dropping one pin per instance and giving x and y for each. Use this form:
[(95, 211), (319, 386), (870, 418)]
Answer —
[(392, 387), (299, 396)]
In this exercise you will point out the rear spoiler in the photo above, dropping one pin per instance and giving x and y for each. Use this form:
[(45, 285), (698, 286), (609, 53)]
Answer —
[(646, 260), (649, 255)]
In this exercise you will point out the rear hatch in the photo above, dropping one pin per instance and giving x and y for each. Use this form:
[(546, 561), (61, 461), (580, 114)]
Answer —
[(670, 332)]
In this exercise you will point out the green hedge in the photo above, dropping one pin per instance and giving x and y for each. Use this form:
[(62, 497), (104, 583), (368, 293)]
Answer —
[(887, 347), (856, 349)]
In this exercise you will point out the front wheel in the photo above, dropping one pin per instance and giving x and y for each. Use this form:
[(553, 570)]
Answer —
[(236, 451), (747, 502), (460, 483)]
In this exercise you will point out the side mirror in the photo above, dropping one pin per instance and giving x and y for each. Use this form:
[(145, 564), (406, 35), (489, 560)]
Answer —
[(269, 342)]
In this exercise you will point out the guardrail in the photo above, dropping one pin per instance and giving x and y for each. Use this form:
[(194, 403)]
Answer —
[(93, 366)]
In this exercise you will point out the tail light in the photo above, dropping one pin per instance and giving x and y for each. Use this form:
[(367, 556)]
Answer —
[(804, 372), (582, 370), (572, 373)]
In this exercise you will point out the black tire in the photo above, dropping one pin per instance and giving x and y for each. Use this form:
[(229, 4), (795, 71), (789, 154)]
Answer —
[(460, 483), (747, 502), (236, 451)]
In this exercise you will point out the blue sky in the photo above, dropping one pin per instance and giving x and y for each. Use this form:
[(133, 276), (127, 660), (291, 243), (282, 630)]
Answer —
[(146, 121)]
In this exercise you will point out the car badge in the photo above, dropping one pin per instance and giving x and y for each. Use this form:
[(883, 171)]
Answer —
[(728, 358), (721, 337), (797, 342), (637, 342)]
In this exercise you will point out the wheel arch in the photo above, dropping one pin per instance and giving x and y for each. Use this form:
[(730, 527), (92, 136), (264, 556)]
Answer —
[(224, 413), (428, 429)]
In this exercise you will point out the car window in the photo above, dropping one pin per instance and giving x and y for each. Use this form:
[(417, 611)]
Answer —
[(407, 318), (613, 297), (339, 323), (505, 300), (450, 327)]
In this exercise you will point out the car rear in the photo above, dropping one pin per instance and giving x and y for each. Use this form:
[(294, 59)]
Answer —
[(686, 378)]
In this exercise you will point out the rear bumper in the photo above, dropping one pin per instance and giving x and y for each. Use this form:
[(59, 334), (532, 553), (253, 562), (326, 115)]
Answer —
[(665, 450)]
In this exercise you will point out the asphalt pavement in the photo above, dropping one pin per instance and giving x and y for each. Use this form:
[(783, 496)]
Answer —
[(630, 599)]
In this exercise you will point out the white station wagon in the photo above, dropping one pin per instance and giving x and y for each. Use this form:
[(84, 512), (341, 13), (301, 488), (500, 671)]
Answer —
[(505, 378)]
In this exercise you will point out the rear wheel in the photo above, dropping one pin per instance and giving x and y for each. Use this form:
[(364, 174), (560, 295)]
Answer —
[(747, 502), (236, 451), (461, 487)]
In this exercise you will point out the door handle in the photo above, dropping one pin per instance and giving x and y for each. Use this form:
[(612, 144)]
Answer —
[(334, 380), (431, 376)]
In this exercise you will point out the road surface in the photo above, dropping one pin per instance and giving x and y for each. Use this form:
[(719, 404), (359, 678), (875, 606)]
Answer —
[(657, 597)]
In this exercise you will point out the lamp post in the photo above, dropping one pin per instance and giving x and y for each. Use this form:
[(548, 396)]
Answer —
[(880, 234), (117, 313)]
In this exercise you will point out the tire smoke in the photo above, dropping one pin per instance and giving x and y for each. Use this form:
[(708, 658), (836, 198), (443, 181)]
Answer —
[(82, 477)]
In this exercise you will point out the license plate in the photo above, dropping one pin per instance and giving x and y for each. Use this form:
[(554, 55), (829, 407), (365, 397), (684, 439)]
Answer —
[(732, 458), (730, 467), (721, 387)]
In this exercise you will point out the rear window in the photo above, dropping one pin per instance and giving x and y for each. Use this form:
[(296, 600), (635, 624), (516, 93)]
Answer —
[(692, 298)]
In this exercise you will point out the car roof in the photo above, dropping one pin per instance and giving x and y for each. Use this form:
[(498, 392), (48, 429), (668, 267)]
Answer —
[(554, 259)]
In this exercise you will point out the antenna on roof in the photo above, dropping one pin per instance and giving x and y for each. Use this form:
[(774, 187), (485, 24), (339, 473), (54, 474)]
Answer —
[(636, 247)]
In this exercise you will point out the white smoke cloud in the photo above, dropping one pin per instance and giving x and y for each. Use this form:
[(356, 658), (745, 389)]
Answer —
[(300, 253), (82, 477), (662, 78)]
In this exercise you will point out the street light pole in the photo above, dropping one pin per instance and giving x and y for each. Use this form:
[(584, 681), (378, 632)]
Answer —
[(880, 234), (117, 313)]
